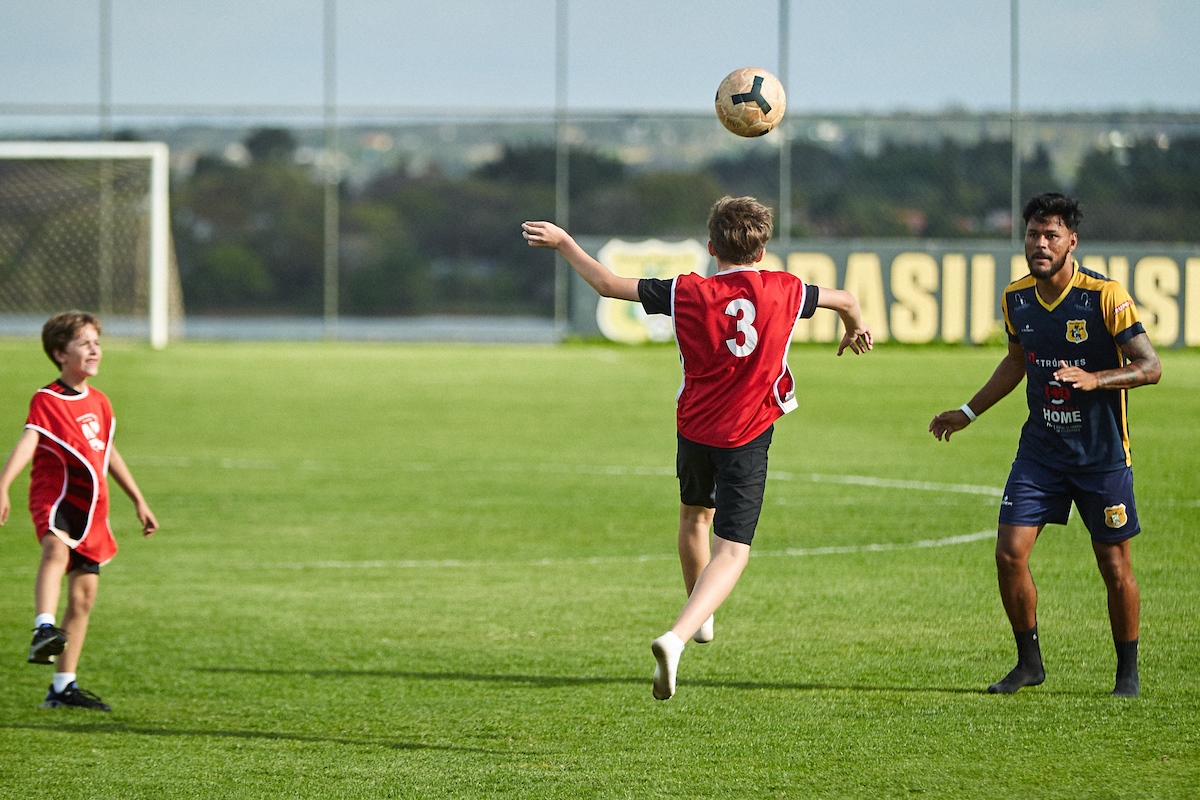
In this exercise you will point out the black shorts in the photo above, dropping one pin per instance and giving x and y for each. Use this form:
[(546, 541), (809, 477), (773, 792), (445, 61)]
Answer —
[(82, 563), (731, 480)]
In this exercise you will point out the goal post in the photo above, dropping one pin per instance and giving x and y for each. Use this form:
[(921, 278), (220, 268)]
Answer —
[(71, 217)]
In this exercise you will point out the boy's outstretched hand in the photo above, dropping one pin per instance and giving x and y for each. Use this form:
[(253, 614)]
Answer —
[(857, 339), (543, 234)]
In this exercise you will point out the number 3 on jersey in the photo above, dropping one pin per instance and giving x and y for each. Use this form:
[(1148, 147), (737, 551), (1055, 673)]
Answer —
[(743, 311)]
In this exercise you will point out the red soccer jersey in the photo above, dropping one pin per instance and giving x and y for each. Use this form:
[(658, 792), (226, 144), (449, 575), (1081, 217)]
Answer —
[(68, 489), (734, 330)]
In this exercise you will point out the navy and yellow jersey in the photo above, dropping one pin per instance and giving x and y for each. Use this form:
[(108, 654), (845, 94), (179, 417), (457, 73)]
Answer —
[(1069, 428)]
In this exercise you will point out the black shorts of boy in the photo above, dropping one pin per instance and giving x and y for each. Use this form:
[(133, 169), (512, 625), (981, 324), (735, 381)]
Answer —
[(83, 564), (1039, 495), (731, 480)]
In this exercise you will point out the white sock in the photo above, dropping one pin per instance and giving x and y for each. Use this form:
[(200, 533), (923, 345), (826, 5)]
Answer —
[(43, 619), (667, 650), (62, 680)]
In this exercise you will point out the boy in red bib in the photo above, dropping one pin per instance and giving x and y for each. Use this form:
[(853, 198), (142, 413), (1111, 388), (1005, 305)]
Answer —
[(69, 438), (733, 330)]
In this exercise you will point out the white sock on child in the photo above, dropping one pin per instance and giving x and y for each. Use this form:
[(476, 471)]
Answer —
[(43, 619), (62, 680)]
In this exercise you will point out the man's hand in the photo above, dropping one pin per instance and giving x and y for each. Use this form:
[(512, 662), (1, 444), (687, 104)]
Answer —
[(543, 234), (1076, 378), (947, 423)]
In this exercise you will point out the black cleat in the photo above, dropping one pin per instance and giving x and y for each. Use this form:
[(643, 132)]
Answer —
[(1019, 677), (74, 697), (1127, 686), (48, 642)]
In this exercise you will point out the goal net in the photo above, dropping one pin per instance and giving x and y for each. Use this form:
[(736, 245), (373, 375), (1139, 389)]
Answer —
[(86, 225)]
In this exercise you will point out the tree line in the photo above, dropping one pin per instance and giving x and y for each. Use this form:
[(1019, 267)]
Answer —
[(249, 237)]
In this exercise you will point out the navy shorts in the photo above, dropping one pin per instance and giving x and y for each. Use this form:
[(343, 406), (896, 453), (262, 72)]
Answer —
[(730, 479), (1039, 495)]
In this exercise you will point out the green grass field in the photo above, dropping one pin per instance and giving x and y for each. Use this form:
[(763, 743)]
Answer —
[(435, 571)]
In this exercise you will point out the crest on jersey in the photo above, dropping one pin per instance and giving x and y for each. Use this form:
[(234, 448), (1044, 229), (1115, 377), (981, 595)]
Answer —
[(629, 323), (1077, 330), (89, 424), (1115, 516)]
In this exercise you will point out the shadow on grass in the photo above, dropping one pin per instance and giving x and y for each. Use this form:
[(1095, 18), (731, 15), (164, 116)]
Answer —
[(554, 681), (135, 730)]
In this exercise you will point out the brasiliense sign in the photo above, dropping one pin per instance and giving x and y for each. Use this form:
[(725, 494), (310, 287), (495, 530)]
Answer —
[(909, 292)]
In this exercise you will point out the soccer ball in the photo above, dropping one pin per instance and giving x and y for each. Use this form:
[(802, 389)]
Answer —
[(750, 101)]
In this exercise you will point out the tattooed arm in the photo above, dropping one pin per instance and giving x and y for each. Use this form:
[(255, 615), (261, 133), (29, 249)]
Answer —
[(1143, 368)]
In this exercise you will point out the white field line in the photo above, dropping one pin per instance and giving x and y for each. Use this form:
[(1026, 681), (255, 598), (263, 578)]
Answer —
[(593, 469), (577, 469), (588, 469), (883, 547), (792, 552), (889, 483)]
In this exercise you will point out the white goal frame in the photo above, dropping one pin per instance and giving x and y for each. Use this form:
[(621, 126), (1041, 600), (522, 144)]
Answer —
[(160, 230)]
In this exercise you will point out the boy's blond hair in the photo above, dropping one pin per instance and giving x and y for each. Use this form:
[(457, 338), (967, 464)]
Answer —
[(60, 329), (739, 228)]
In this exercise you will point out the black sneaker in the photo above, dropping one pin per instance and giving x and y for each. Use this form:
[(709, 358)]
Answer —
[(74, 697), (48, 642), (1127, 686)]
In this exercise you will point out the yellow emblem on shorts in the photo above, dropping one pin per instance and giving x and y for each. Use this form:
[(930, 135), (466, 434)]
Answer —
[(1115, 516), (1077, 330)]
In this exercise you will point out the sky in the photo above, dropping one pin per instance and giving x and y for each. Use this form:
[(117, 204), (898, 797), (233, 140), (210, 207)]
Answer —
[(640, 55)]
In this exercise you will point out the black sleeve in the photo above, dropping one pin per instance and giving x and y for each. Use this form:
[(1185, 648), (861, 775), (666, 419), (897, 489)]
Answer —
[(655, 295), (811, 295)]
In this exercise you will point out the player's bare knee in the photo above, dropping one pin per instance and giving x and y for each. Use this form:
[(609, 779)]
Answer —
[(1115, 565), (1118, 577), (695, 515), (80, 607), (1011, 561), (81, 595), (54, 551)]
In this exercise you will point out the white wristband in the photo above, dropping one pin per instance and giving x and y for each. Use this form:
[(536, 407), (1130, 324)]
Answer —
[(966, 409)]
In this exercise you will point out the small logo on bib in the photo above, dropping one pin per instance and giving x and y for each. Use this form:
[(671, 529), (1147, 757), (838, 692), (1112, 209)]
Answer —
[(90, 425)]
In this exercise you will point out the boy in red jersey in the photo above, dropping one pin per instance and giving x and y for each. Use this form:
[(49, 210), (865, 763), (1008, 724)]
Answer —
[(733, 330), (69, 438)]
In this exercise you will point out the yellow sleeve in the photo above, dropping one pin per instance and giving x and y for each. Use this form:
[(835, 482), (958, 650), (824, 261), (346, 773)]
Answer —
[(1120, 314)]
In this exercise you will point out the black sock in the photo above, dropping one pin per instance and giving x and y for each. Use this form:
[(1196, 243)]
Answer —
[(1028, 671), (1128, 684), (1029, 650), (1127, 654)]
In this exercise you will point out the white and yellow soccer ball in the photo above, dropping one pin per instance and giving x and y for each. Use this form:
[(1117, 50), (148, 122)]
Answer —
[(750, 101)]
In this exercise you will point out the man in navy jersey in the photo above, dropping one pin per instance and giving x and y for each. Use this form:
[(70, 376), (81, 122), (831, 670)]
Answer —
[(1076, 338), (733, 330)]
